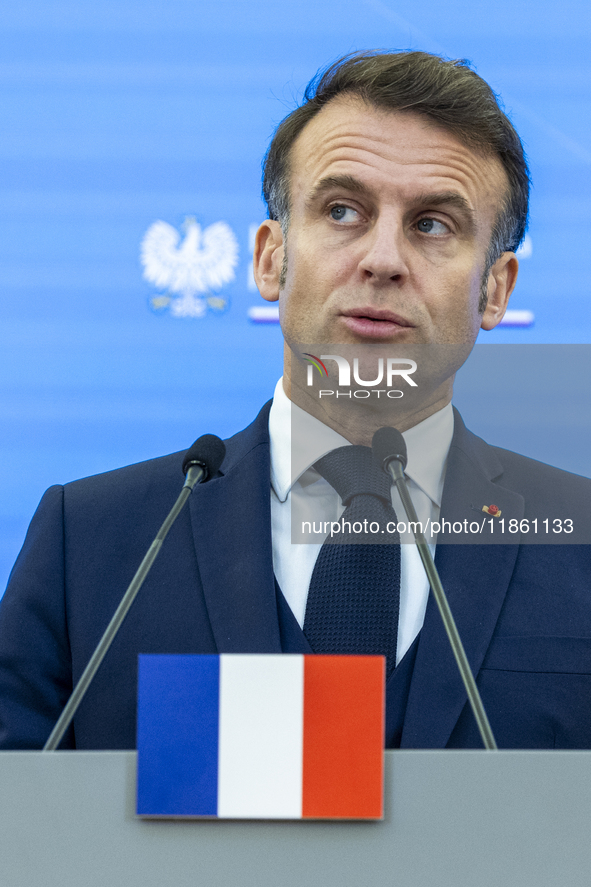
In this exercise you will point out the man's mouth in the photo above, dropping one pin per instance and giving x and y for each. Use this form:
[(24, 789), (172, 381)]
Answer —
[(374, 323)]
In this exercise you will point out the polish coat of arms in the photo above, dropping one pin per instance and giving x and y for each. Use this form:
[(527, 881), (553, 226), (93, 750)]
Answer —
[(189, 272)]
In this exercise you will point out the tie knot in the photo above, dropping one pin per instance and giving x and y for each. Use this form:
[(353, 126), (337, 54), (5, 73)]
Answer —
[(353, 472)]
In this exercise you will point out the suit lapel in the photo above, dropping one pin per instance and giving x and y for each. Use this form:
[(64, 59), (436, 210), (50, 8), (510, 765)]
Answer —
[(231, 521), (475, 578)]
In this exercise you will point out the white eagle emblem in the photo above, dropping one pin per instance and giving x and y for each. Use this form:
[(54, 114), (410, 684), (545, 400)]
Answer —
[(191, 270)]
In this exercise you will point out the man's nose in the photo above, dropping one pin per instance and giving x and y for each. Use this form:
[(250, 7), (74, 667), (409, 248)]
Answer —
[(385, 252)]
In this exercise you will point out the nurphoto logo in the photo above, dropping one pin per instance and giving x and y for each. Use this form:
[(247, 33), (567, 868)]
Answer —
[(388, 372)]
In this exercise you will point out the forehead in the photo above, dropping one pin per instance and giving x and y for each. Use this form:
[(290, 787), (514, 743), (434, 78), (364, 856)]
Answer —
[(400, 151)]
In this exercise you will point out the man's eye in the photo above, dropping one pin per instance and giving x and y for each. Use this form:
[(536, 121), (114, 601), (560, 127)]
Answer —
[(432, 226), (343, 213)]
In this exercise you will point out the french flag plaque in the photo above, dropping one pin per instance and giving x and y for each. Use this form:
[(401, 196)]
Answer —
[(260, 736)]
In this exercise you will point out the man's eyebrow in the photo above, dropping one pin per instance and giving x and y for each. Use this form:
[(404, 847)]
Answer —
[(451, 199), (425, 200), (329, 183)]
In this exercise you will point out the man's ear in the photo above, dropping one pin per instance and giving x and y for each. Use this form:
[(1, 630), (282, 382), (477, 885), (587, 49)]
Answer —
[(501, 283), (267, 259)]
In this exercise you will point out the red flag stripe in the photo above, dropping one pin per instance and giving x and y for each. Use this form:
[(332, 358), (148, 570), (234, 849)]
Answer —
[(343, 737)]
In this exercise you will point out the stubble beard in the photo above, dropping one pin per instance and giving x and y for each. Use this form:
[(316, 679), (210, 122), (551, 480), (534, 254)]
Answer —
[(283, 272), (482, 300)]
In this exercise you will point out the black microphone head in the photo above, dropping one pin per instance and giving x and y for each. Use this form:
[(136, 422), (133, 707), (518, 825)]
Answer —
[(208, 451), (388, 444)]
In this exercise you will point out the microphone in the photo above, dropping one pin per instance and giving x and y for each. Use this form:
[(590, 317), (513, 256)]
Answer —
[(388, 444), (200, 464), (206, 453), (389, 451)]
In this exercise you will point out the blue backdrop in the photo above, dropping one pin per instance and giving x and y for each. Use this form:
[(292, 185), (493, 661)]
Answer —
[(119, 114)]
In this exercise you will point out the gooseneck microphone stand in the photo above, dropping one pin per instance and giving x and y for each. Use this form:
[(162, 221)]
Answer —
[(201, 462), (389, 449)]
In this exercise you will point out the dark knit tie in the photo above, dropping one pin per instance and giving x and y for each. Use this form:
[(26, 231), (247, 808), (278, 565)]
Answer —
[(354, 594)]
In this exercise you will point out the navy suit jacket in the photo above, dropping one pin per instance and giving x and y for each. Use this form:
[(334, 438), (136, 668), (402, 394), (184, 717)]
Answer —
[(523, 611)]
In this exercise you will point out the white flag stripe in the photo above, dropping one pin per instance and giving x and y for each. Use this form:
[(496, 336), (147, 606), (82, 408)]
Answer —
[(261, 736)]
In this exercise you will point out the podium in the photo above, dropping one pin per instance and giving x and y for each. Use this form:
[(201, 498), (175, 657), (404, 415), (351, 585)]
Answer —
[(452, 819)]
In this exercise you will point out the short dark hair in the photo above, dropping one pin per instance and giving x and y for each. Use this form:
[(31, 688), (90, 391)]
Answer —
[(448, 92)]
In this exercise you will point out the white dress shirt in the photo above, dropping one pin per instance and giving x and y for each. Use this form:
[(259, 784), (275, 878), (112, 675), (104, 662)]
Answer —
[(299, 493)]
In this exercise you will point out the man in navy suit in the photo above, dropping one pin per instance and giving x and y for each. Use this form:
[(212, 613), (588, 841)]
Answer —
[(397, 197)]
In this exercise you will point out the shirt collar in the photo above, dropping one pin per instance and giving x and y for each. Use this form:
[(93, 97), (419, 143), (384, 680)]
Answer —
[(428, 444)]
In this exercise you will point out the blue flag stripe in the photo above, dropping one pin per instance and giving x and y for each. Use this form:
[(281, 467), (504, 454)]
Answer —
[(177, 737)]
